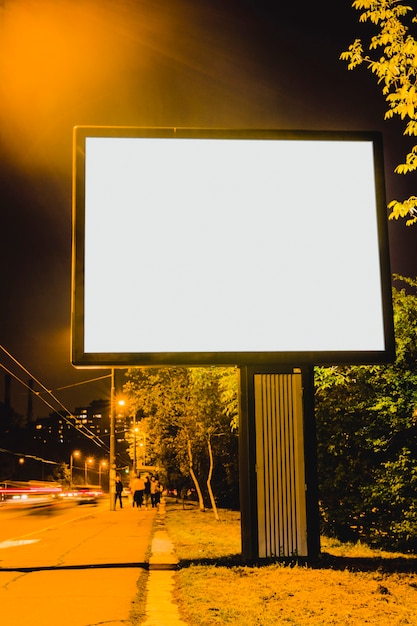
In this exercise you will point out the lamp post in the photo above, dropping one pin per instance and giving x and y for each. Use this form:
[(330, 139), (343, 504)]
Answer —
[(102, 464), (135, 432), (143, 449), (85, 470), (112, 468), (75, 454)]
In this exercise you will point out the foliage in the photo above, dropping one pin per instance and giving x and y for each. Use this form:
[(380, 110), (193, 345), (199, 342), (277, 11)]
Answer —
[(396, 71), (367, 436), (61, 474), (189, 427), (228, 389)]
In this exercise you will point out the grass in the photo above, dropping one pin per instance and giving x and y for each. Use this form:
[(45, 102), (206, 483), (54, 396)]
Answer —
[(350, 584), (138, 608)]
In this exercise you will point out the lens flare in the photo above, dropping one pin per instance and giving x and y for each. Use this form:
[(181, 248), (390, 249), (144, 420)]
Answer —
[(62, 62)]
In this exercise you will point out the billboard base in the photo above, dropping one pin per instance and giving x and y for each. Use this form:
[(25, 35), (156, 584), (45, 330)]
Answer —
[(278, 464)]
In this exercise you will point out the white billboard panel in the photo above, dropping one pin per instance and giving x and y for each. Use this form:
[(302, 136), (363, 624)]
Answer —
[(236, 247)]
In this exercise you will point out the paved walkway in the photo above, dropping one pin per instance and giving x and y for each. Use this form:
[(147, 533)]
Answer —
[(96, 584), (161, 609)]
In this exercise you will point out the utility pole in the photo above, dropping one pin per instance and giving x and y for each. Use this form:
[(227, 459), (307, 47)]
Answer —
[(134, 444), (112, 469)]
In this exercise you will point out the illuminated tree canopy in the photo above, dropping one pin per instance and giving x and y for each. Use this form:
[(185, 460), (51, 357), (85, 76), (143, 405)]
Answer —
[(191, 418), (367, 440), (396, 71)]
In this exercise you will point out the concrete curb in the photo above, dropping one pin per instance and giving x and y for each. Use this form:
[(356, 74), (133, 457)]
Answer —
[(161, 609)]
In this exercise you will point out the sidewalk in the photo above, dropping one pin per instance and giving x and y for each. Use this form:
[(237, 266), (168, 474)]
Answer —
[(161, 609), (95, 583)]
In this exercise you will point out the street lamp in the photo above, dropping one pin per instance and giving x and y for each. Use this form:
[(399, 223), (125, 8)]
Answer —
[(112, 468), (102, 464), (143, 446), (75, 454), (85, 469), (135, 432)]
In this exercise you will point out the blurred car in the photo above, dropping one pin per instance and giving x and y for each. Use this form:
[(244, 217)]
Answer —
[(30, 494), (87, 494)]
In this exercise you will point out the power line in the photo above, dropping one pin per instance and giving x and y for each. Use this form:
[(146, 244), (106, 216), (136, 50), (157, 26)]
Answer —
[(84, 382), (15, 377), (29, 456), (89, 434)]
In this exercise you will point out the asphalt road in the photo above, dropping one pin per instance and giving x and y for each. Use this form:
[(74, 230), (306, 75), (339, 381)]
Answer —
[(73, 566)]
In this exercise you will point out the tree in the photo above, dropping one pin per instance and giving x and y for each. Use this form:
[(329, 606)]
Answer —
[(207, 396), (189, 424), (367, 440), (61, 474), (228, 387), (396, 71)]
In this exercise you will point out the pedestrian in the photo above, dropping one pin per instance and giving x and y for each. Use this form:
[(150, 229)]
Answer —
[(147, 493), (118, 492), (155, 492), (138, 488), (159, 494)]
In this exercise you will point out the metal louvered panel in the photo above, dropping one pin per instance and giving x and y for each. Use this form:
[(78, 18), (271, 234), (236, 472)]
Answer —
[(282, 524)]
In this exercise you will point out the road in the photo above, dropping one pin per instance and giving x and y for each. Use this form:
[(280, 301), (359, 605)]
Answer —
[(71, 565)]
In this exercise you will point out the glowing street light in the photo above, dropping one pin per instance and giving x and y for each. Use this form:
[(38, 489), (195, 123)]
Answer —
[(87, 461), (142, 445), (121, 404), (102, 464), (74, 454)]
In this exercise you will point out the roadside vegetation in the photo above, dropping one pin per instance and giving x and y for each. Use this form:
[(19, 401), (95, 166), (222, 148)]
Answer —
[(366, 419), (389, 52), (350, 584), (189, 418)]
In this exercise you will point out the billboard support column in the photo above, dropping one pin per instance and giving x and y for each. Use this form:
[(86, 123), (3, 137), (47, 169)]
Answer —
[(112, 467), (278, 468)]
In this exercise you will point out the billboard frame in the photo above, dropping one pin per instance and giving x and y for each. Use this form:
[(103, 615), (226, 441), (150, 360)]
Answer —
[(81, 358)]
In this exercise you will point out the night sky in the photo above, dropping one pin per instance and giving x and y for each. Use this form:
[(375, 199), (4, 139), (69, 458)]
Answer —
[(201, 63)]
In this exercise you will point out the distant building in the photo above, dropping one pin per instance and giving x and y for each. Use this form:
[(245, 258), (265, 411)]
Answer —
[(95, 417), (68, 430), (51, 430)]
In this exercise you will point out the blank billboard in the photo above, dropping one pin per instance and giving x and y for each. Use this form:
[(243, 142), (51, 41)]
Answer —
[(205, 247)]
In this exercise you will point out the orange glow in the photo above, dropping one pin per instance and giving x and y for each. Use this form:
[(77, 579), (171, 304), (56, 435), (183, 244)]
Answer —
[(59, 62), (128, 63)]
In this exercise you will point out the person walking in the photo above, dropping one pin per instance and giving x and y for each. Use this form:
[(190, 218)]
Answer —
[(147, 492), (138, 488), (155, 492), (118, 492)]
